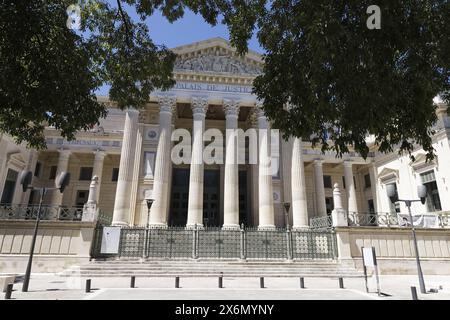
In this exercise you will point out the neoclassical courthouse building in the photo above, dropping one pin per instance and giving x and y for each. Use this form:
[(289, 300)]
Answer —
[(130, 154)]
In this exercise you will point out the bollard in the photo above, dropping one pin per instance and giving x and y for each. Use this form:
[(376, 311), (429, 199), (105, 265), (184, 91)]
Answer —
[(88, 285), (261, 282), (221, 280), (177, 282), (414, 293), (302, 282), (9, 289), (341, 283), (133, 282)]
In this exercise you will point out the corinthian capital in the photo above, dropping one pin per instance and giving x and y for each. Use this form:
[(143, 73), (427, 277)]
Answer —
[(258, 109), (199, 105), (231, 107), (167, 103)]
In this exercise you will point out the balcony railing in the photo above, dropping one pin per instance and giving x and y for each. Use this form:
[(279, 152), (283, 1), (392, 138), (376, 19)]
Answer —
[(48, 212), (387, 219), (320, 223)]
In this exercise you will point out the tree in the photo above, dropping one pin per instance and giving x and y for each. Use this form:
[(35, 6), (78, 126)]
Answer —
[(343, 81), (49, 72), (340, 80)]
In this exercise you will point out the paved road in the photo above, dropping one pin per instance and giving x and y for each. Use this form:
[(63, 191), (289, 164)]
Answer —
[(53, 287)]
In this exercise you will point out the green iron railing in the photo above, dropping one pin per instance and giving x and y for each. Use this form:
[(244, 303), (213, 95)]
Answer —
[(216, 243)]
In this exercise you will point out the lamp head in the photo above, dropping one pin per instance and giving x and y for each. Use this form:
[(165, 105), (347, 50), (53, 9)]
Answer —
[(392, 193), (63, 181), (25, 179), (422, 193), (287, 206), (149, 203)]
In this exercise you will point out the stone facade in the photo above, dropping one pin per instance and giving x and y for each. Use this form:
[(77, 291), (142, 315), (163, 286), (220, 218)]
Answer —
[(130, 153)]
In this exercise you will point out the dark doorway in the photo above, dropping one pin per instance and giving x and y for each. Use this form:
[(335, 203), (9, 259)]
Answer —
[(82, 198), (179, 198), (211, 198), (243, 198)]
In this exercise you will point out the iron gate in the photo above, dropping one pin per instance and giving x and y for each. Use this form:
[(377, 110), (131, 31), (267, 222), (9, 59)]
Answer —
[(250, 243)]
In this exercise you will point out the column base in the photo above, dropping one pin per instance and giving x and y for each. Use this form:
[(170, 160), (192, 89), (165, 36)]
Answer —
[(266, 228), (157, 226), (199, 226), (231, 227), (119, 224)]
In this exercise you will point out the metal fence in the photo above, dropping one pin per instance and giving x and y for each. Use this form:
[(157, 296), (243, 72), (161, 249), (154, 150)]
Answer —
[(215, 243), (379, 219), (48, 212)]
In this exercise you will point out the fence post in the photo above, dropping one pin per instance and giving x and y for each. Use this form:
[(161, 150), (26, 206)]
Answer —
[(88, 286), (9, 289), (144, 254), (289, 244), (194, 242), (414, 293), (242, 242)]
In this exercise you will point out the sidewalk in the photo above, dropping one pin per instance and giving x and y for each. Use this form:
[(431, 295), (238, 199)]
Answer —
[(53, 287)]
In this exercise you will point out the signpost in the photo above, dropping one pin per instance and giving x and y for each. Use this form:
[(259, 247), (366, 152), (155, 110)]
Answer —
[(370, 260)]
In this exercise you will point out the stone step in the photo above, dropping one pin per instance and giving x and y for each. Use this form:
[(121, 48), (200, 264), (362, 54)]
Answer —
[(231, 275), (211, 268)]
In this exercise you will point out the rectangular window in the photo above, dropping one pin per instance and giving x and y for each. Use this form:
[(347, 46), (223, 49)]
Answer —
[(10, 186), (327, 182), (433, 200), (85, 173), (343, 182), (52, 174), (37, 169), (371, 206), (395, 207), (115, 174), (367, 182)]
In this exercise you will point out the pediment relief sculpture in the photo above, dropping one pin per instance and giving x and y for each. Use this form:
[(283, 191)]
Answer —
[(216, 64)]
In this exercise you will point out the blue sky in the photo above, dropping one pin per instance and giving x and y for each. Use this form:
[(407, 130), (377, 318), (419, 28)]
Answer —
[(190, 28)]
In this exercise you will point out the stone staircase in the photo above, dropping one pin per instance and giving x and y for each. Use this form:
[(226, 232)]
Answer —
[(210, 268)]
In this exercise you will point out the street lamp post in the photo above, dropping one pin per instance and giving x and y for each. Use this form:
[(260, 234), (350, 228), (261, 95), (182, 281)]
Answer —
[(422, 193), (25, 180), (287, 206)]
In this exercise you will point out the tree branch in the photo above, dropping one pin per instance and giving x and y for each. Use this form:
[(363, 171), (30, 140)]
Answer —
[(125, 22)]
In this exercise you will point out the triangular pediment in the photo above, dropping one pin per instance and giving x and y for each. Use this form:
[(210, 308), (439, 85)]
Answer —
[(420, 162), (388, 175), (216, 57)]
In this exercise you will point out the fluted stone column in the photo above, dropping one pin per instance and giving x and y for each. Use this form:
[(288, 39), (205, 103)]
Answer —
[(231, 188), (350, 187), (321, 207), (121, 215), (266, 211), (199, 106), (98, 170), (298, 186), (63, 165), (158, 213)]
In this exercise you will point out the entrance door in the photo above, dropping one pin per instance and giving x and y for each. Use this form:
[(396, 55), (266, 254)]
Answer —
[(82, 198), (179, 197), (10, 186), (211, 198)]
